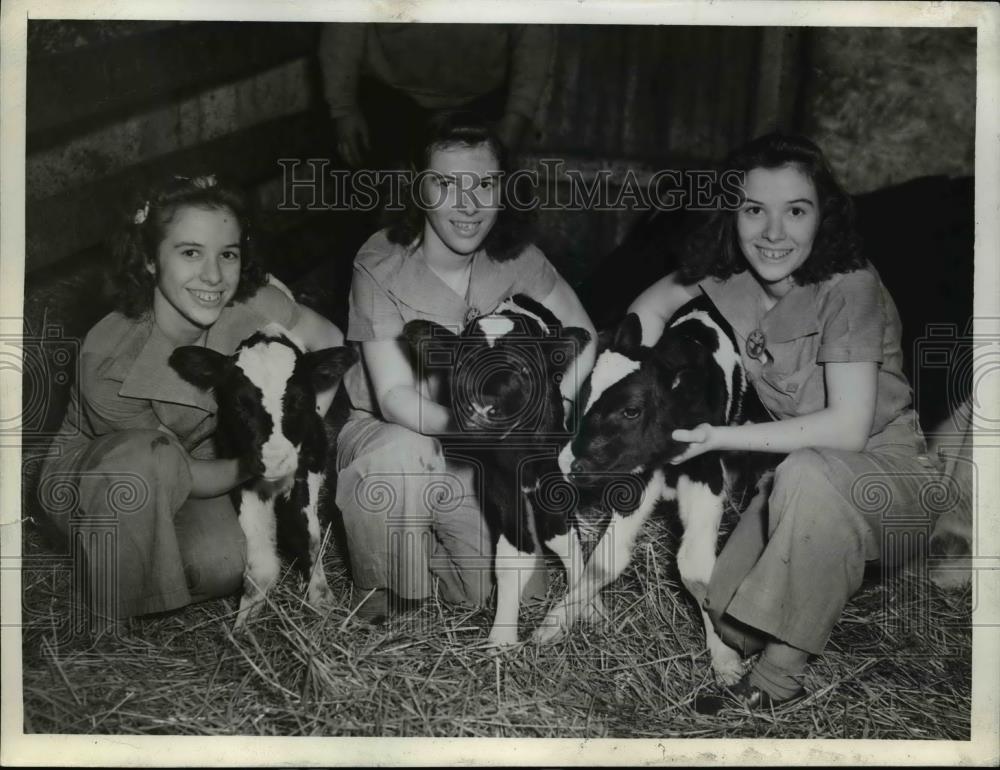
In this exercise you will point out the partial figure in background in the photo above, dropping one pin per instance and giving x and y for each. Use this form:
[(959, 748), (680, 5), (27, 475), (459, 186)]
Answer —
[(819, 338), (383, 81)]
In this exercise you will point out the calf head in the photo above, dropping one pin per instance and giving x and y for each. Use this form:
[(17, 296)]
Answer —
[(266, 395), (636, 396), (502, 373)]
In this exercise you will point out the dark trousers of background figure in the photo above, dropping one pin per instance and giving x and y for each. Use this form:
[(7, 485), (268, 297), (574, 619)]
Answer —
[(395, 128)]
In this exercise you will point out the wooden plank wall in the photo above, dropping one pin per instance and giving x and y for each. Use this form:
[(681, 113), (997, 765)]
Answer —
[(113, 106), (648, 98)]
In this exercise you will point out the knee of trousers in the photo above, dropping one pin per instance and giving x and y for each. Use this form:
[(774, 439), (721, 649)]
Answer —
[(394, 476), (214, 568), (809, 488), (125, 473)]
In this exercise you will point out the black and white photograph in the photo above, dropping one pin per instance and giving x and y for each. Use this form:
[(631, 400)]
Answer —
[(622, 375)]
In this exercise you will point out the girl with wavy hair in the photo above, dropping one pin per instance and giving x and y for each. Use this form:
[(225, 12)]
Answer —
[(133, 480), (819, 336)]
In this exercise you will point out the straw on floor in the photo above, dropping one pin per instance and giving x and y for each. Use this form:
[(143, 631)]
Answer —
[(898, 666)]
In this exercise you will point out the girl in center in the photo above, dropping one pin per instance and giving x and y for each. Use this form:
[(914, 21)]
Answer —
[(455, 253)]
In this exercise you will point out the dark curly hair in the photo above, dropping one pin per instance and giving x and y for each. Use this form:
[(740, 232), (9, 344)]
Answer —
[(513, 229), (135, 246), (713, 249)]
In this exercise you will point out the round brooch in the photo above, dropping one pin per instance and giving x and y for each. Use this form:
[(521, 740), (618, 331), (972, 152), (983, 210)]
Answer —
[(757, 346)]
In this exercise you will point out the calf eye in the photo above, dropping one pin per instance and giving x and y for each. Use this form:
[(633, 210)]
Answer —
[(631, 412)]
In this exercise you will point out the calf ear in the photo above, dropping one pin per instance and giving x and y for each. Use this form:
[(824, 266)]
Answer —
[(569, 345), (202, 367), (431, 344), (628, 336), (698, 333), (326, 367)]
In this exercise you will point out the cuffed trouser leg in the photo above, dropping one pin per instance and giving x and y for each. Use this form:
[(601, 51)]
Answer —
[(829, 512)]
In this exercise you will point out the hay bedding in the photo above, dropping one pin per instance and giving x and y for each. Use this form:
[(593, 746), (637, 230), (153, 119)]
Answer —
[(898, 666)]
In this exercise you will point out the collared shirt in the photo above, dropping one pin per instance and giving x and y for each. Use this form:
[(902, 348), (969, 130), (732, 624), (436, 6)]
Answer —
[(125, 382), (850, 317), (392, 285)]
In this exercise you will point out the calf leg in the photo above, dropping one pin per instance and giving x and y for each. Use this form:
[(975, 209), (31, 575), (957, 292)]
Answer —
[(612, 554), (318, 593), (701, 514), (514, 569), (262, 563), (568, 548)]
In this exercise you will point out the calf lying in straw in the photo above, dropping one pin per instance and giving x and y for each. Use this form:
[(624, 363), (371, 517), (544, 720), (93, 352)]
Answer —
[(502, 382), (635, 398), (266, 396)]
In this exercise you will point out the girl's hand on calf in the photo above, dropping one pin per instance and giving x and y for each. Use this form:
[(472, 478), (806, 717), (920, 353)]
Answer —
[(702, 438)]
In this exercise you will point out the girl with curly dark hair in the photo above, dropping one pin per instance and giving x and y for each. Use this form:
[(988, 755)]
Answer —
[(135, 451), (819, 337), (456, 252)]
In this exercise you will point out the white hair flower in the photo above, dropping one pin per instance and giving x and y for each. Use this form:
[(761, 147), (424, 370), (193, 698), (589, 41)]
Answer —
[(141, 214), (204, 182)]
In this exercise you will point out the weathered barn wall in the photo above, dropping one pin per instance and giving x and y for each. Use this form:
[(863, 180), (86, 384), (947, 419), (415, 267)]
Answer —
[(649, 98), (889, 105), (112, 106)]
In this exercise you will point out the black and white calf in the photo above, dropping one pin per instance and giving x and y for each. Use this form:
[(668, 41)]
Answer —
[(634, 399), (267, 418), (501, 379)]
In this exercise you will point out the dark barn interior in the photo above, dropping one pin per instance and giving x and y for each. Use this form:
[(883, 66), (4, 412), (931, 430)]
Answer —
[(112, 106)]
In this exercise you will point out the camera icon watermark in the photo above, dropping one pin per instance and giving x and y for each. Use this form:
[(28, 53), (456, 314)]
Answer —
[(48, 362), (960, 369), (497, 392)]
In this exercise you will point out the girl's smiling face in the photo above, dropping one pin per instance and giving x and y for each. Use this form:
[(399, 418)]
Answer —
[(197, 270), (777, 224), (460, 189)]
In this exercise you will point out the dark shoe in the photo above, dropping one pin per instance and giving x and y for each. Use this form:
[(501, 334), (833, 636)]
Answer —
[(374, 610), (384, 603), (743, 695)]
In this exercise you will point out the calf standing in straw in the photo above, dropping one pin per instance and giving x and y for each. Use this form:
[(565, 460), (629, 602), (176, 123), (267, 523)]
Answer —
[(266, 393), (502, 379)]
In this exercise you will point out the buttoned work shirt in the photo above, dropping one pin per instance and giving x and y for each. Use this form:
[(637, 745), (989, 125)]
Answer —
[(126, 383), (392, 285), (850, 317)]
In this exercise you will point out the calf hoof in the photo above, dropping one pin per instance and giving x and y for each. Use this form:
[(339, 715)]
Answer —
[(498, 643), (594, 613), (727, 664), (552, 627), (320, 596), (249, 609)]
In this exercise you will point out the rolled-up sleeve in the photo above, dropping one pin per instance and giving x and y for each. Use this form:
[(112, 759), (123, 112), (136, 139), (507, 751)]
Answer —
[(532, 47), (372, 315), (340, 53), (273, 304), (853, 320), (534, 274)]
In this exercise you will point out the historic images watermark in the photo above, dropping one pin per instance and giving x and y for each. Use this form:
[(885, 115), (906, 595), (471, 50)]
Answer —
[(312, 185)]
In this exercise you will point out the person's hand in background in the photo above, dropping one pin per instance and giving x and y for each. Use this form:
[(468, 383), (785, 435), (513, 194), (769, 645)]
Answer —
[(511, 130), (352, 138)]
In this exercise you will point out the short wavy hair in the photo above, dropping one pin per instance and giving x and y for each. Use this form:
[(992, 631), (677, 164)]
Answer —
[(713, 249), (514, 227), (136, 244)]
